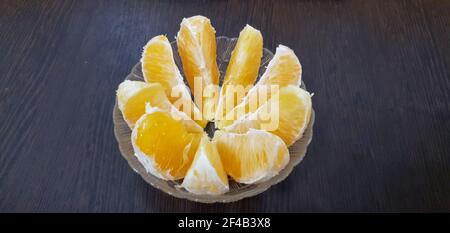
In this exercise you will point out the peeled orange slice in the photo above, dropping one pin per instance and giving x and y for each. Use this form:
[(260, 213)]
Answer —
[(251, 157), (284, 69), (196, 43), (158, 66), (242, 70), (163, 145), (286, 115), (134, 97), (206, 174)]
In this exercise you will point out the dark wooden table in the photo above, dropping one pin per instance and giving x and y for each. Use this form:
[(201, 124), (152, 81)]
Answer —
[(380, 71)]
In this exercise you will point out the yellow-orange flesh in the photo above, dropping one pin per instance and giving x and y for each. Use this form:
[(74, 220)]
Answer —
[(206, 174), (196, 41), (134, 108), (214, 159), (158, 66), (289, 111), (284, 69), (242, 69), (251, 157), (167, 142)]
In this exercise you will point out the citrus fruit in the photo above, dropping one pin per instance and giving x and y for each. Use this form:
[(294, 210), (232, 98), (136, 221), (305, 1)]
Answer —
[(158, 66), (134, 97), (242, 70), (286, 115), (284, 69), (251, 157), (206, 174), (196, 41), (163, 145)]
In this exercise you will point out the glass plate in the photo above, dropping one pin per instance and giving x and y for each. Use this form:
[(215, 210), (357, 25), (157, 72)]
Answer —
[(237, 191)]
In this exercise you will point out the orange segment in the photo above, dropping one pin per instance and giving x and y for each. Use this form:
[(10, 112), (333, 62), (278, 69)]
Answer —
[(242, 70), (158, 66), (126, 90), (284, 69), (206, 174), (163, 145), (196, 43), (286, 115), (251, 157), (134, 97)]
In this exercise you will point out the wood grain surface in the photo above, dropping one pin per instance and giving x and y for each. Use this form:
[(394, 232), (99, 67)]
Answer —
[(380, 71)]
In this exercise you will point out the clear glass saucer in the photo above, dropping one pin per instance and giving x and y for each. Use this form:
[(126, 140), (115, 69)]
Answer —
[(237, 191)]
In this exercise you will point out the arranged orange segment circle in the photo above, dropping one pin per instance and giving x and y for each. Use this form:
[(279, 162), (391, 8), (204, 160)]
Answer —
[(196, 42), (256, 122)]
